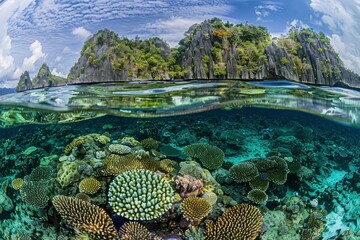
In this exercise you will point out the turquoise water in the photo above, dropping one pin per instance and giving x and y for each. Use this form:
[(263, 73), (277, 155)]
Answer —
[(288, 150)]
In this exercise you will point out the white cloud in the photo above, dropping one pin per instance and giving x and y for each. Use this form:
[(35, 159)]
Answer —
[(8, 9), (171, 30), (342, 18), (289, 25), (58, 73), (81, 32), (29, 62), (264, 10)]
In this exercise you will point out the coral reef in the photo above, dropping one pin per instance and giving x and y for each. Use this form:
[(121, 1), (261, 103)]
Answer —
[(89, 185), (140, 195), (85, 217), (211, 157), (188, 186), (195, 209), (239, 222)]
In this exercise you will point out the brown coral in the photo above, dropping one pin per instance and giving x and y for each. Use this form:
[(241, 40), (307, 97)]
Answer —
[(134, 231), (195, 209), (244, 172), (188, 186), (241, 222), (17, 183), (89, 185), (211, 157), (116, 164), (85, 217)]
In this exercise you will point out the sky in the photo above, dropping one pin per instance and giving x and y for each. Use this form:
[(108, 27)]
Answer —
[(53, 31)]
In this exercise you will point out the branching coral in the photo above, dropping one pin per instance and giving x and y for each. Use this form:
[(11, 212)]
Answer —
[(241, 222), (134, 231), (140, 195), (210, 156), (85, 217), (195, 209), (89, 185)]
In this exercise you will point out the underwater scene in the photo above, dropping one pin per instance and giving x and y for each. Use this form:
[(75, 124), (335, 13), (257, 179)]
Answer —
[(215, 160)]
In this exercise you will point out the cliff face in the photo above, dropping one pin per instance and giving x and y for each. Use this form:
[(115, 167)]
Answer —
[(24, 83), (210, 50), (106, 57), (44, 78), (217, 50)]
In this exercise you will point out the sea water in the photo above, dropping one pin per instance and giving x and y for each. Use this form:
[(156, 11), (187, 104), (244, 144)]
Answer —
[(302, 140)]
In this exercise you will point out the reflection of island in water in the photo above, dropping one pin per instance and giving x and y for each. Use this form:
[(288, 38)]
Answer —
[(158, 99)]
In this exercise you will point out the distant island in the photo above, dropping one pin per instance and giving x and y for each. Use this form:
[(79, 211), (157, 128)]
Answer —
[(210, 50)]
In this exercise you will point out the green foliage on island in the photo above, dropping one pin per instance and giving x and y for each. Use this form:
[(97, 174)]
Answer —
[(211, 49)]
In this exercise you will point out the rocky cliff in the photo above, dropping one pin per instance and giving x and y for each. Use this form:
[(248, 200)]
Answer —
[(215, 49), (106, 57), (24, 83), (44, 78), (210, 50)]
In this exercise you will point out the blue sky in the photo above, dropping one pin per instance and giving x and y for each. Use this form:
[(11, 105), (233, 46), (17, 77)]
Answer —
[(53, 31)]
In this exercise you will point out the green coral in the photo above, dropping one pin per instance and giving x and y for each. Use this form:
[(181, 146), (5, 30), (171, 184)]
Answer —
[(211, 157), (34, 193), (244, 172), (257, 196), (140, 195)]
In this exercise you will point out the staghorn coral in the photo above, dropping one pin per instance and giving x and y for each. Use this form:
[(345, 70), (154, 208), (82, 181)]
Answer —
[(257, 196), (243, 172), (241, 222), (85, 217), (119, 149), (140, 195), (149, 143), (89, 185), (34, 193), (188, 186), (134, 231), (17, 183), (211, 157), (83, 196), (195, 209)]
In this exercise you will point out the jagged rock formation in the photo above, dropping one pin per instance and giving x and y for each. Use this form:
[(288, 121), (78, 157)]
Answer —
[(215, 49), (24, 83), (44, 78), (210, 50), (106, 57)]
